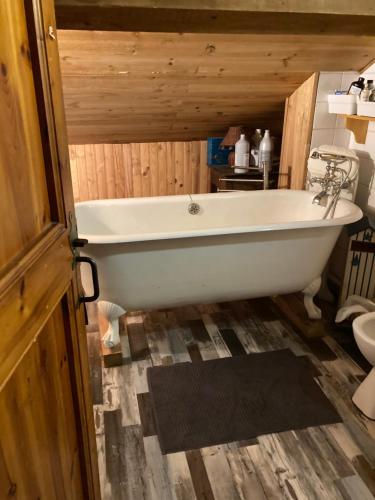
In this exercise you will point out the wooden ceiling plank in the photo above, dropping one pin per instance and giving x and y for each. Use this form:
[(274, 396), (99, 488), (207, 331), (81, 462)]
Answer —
[(159, 86), (221, 16)]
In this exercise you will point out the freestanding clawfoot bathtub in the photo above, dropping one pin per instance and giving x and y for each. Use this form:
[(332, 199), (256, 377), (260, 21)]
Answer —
[(158, 252)]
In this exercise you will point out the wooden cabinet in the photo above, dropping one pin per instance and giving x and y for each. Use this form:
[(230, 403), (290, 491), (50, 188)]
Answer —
[(47, 442)]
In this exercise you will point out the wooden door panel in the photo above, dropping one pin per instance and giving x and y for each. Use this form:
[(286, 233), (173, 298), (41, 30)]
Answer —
[(27, 301), (47, 440), (38, 420), (24, 197), (44, 15)]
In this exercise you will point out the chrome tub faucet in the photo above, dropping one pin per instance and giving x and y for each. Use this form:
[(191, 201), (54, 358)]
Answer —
[(333, 182), (321, 199)]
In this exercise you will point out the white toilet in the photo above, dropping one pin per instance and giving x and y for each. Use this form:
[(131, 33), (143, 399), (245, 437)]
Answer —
[(364, 333)]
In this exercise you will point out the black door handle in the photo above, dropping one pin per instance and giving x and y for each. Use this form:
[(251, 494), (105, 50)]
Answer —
[(95, 279)]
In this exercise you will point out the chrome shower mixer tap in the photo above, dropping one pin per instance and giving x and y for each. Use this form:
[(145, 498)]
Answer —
[(333, 182)]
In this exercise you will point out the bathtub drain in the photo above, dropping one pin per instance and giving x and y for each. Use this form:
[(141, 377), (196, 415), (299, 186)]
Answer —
[(194, 208)]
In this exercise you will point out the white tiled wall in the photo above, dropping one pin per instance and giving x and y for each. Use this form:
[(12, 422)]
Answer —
[(366, 153), (330, 129)]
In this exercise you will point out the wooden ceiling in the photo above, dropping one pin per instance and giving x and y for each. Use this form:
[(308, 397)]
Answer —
[(141, 87), (344, 17)]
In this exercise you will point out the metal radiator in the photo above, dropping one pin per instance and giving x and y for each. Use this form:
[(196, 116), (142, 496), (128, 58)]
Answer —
[(359, 278)]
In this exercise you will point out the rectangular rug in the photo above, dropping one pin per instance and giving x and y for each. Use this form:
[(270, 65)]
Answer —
[(235, 399)]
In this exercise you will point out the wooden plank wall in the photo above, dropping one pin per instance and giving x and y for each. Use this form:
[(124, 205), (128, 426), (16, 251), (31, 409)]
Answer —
[(298, 122), (139, 169)]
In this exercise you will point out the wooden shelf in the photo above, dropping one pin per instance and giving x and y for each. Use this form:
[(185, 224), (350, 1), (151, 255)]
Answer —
[(358, 124)]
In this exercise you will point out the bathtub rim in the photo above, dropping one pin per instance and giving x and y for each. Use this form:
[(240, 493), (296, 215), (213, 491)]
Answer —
[(354, 215)]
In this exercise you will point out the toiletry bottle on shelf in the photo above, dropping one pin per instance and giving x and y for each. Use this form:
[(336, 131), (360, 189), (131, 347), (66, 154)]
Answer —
[(370, 84), (357, 86), (265, 152), (255, 140), (241, 155), (365, 94)]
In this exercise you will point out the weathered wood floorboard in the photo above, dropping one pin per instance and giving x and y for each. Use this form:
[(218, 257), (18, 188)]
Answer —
[(329, 462)]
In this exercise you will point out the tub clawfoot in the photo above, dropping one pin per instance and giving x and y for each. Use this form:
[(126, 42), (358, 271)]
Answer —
[(309, 293), (111, 312)]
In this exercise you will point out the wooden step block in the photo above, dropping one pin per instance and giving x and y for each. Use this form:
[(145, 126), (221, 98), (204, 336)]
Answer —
[(291, 306)]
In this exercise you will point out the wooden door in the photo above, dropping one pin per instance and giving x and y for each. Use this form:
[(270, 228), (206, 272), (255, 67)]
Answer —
[(47, 442), (297, 130)]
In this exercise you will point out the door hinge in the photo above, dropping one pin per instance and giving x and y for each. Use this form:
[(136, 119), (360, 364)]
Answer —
[(51, 33)]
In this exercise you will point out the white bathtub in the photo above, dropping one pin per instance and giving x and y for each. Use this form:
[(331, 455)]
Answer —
[(151, 253)]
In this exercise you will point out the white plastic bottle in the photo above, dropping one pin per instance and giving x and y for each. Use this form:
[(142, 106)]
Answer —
[(241, 155), (265, 151)]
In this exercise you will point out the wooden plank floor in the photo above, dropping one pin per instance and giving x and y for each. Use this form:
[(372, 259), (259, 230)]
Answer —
[(328, 462)]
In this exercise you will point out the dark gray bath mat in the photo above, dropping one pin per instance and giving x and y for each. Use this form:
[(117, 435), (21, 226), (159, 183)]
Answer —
[(235, 399)]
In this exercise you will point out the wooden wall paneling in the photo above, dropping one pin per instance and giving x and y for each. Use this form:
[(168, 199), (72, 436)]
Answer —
[(74, 171), (136, 169), (91, 175), (81, 171), (109, 171), (154, 163), (101, 171), (195, 166), (303, 131), (154, 168), (99, 159), (115, 171), (170, 168), (298, 123), (286, 145), (188, 168), (119, 171), (204, 185), (92, 183), (91, 171), (145, 169), (179, 167), (127, 163), (162, 168)]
